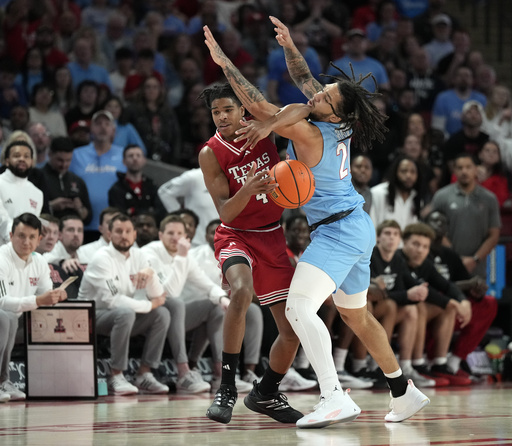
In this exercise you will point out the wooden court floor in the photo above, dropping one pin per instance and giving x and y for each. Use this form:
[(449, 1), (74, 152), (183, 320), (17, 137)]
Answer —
[(476, 416)]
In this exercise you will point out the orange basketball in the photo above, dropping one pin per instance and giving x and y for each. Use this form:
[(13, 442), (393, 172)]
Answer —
[(296, 184)]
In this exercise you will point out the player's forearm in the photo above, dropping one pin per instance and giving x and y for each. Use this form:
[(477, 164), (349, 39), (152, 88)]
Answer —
[(250, 97), (300, 72), (289, 115), (232, 207)]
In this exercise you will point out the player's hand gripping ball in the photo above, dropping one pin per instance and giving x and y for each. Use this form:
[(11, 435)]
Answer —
[(296, 184)]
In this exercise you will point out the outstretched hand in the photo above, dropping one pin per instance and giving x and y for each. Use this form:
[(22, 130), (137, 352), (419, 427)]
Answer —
[(216, 52), (282, 33), (253, 132)]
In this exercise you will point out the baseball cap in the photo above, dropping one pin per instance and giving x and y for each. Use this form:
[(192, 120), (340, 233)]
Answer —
[(442, 19), (82, 124), (468, 104), (105, 113), (355, 32)]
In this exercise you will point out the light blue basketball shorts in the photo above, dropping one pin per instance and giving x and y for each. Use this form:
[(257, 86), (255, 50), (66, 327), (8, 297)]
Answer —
[(343, 250)]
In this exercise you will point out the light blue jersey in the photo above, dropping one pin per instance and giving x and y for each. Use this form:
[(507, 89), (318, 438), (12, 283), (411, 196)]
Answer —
[(341, 249), (334, 191)]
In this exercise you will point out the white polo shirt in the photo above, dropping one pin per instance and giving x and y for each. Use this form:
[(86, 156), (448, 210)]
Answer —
[(108, 280), (22, 281), (176, 271)]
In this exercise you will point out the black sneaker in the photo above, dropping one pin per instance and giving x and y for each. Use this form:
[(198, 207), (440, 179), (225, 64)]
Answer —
[(275, 405), (376, 376), (223, 403)]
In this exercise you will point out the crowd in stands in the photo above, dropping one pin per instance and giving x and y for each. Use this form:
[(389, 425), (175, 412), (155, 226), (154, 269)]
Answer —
[(92, 89)]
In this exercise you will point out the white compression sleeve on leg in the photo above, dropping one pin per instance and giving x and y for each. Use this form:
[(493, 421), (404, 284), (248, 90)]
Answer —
[(309, 289)]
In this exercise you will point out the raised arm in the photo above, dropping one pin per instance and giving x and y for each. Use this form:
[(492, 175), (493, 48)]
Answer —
[(249, 95), (297, 66)]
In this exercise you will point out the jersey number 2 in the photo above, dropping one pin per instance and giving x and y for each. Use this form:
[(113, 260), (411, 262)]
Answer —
[(343, 151)]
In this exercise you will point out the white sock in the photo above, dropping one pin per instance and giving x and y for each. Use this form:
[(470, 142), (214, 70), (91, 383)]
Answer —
[(358, 364), (418, 362), (406, 365), (454, 363), (340, 356), (440, 361), (372, 365)]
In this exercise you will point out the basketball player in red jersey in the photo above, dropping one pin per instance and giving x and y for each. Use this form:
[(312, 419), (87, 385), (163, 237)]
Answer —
[(251, 250)]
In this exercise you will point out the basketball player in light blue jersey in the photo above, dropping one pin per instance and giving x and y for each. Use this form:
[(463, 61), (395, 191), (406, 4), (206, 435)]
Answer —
[(342, 234)]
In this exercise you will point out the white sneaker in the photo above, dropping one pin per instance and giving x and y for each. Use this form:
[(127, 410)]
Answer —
[(418, 379), (4, 396), (406, 405), (147, 383), (117, 385), (250, 377), (347, 380), (241, 386), (192, 382), (336, 408), (14, 393), (294, 382)]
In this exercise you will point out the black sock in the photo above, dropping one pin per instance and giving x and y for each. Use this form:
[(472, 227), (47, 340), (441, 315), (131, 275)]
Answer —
[(270, 382), (397, 385), (229, 365)]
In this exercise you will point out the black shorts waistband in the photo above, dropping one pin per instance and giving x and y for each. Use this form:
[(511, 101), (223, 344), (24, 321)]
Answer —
[(331, 219)]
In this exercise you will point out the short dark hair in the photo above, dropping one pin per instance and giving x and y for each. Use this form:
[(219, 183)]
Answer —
[(17, 142), (388, 224), (108, 210), (61, 144), (464, 155), (50, 218), (214, 222), (171, 218), (292, 218), (118, 217), (28, 219), (123, 53), (86, 83), (188, 212), (218, 91), (146, 53), (131, 146), (421, 229), (67, 217)]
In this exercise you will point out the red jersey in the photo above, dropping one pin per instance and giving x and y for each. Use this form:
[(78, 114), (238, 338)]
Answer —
[(261, 210)]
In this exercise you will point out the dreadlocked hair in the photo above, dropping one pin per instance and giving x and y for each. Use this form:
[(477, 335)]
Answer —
[(357, 110), (218, 91)]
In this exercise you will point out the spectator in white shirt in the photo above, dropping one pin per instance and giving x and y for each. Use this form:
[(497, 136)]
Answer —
[(17, 194), (86, 252), (189, 191), (202, 311), (25, 284), (112, 279)]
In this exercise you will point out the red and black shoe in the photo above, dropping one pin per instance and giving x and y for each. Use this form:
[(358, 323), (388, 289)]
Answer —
[(460, 378)]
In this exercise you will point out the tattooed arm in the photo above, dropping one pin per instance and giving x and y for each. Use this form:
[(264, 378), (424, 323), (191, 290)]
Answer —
[(249, 95), (297, 66)]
